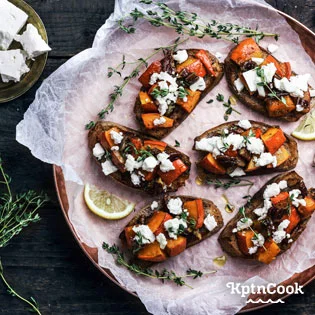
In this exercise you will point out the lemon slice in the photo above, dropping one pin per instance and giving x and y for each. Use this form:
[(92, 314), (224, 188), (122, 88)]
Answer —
[(106, 205), (306, 129)]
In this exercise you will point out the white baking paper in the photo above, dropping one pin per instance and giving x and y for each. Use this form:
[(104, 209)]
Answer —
[(53, 129)]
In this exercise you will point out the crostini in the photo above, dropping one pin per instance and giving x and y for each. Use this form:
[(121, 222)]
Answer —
[(244, 147), (265, 84), (172, 88), (136, 160), (271, 221), (167, 227)]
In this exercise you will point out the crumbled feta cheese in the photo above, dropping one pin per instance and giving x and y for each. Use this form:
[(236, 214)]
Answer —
[(98, 151), (269, 71), (251, 79), (283, 184), (162, 240), (260, 89), (32, 42), (159, 121), (135, 179), (258, 240), (108, 167), (243, 224), (149, 164), (271, 190), (116, 136), (131, 164), (252, 250), (265, 159), (166, 165), (115, 148), (172, 226), (12, 65), (147, 235), (312, 93), (294, 198), (239, 85), (154, 205), (237, 172), (234, 140), (180, 56), (299, 108), (255, 145), (219, 56), (279, 235), (272, 48), (258, 61), (200, 85), (210, 222), (174, 205), (207, 144), (12, 19), (301, 81), (226, 131), (245, 124), (296, 86)]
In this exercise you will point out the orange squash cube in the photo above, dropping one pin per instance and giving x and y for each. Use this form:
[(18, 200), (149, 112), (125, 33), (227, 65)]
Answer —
[(308, 209), (148, 121), (192, 100), (273, 139), (211, 165), (246, 50), (175, 247), (244, 241), (169, 177), (269, 252), (196, 211), (155, 67), (192, 65), (152, 252), (276, 108)]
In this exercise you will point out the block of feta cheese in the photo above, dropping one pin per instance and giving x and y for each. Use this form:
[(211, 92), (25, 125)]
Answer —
[(12, 65), (12, 19), (32, 42)]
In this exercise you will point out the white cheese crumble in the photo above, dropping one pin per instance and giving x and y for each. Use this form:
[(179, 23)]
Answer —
[(166, 165), (272, 48), (294, 194), (116, 136), (98, 151), (255, 145), (237, 172), (243, 224), (258, 240), (251, 79), (258, 61), (312, 93), (265, 159), (161, 240), (245, 124), (252, 250), (279, 235), (181, 56), (172, 226), (239, 85), (115, 148), (296, 86), (299, 108), (147, 235), (135, 179), (108, 167), (159, 121), (154, 205), (269, 71), (149, 164), (200, 85), (210, 222), (174, 205), (32, 42), (234, 140), (131, 164)]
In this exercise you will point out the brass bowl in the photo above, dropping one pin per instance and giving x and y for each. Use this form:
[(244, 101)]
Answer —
[(12, 90)]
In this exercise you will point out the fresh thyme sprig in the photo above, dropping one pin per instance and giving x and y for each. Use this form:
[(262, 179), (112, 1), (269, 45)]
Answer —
[(31, 302), (118, 89), (16, 212), (164, 275), (191, 24), (228, 105), (226, 184)]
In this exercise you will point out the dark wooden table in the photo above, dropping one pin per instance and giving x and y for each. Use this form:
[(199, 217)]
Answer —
[(44, 261)]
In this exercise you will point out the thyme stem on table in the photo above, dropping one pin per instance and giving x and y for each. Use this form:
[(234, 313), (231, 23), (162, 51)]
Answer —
[(191, 24), (164, 275), (226, 184), (118, 89)]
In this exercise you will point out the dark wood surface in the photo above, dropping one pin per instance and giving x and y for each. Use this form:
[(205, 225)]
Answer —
[(44, 261)]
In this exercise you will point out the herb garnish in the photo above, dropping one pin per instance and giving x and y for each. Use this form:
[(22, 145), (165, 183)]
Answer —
[(220, 97), (210, 101), (164, 275), (17, 212), (182, 92), (188, 23), (228, 105), (177, 144), (234, 182), (118, 89)]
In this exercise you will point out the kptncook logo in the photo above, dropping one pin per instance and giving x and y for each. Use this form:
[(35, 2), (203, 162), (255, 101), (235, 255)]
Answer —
[(245, 289)]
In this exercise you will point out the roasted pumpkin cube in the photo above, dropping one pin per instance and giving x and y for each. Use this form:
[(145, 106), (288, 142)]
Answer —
[(308, 209), (277, 108), (156, 222), (106, 138), (148, 121), (175, 247), (192, 100), (196, 211), (152, 252), (169, 177), (155, 144), (246, 50), (273, 139), (192, 65), (294, 219), (251, 166), (204, 58), (244, 241), (155, 67), (129, 234), (210, 164), (281, 199), (271, 59), (281, 155), (269, 252)]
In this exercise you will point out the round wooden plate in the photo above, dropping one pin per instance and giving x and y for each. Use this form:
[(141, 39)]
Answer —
[(12, 90), (308, 41)]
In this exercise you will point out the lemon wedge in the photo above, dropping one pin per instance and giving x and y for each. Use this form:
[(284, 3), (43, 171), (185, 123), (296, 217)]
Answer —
[(105, 204), (306, 129)]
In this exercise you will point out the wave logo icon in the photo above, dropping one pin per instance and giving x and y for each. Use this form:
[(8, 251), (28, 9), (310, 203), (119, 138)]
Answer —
[(258, 301)]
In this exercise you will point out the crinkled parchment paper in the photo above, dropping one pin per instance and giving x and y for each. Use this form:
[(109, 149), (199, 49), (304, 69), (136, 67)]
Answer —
[(53, 129)]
